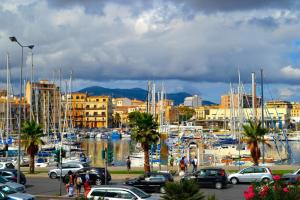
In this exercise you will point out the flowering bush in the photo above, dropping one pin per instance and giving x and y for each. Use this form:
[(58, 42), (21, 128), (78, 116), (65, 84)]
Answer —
[(275, 190)]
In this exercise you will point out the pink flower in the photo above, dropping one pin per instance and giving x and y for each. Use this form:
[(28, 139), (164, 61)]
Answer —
[(248, 195), (276, 177), (264, 191), (251, 188), (285, 190)]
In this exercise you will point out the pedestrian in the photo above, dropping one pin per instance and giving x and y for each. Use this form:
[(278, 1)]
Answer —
[(128, 164), (66, 180), (86, 186), (195, 164), (172, 161), (78, 183), (181, 167), (71, 184), (185, 163)]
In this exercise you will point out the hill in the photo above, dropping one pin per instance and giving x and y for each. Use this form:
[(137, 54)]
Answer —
[(135, 93)]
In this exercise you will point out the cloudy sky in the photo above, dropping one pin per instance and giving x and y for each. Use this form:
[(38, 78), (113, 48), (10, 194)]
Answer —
[(197, 46)]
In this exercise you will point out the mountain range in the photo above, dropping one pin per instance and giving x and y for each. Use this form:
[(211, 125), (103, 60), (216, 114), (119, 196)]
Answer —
[(136, 93)]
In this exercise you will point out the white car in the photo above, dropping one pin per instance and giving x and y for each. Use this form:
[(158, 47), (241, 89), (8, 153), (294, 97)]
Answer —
[(14, 195), (7, 165), (251, 174), (110, 192)]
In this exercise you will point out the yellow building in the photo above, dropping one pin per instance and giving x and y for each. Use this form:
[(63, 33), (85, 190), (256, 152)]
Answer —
[(90, 111)]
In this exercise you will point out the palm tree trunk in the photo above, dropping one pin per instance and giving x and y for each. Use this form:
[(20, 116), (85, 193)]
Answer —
[(31, 165), (146, 157)]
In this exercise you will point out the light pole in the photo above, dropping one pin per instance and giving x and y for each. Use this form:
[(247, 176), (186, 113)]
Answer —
[(14, 39)]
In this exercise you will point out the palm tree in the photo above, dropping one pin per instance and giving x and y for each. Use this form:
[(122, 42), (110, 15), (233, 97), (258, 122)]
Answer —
[(31, 139), (144, 131), (253, 135), (185, 190)]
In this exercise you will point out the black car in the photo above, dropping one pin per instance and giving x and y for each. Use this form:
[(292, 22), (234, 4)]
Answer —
[(151, 182), (209, 177), (96, 175), (167, 175), (12, 175)]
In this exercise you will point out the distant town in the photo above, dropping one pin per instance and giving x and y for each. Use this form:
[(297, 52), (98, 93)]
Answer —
[(81, 110)]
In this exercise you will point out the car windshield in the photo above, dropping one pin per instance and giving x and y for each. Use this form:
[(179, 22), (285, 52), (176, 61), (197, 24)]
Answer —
[(3, 180), (7, 190), (140, 193)]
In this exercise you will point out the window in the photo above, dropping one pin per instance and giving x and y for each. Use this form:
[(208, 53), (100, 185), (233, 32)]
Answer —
[(98, 193), (247, 171), (212, 172), (259, 170), (112, 193), (202, 172), (77, 97), (95, 106), (65, 166), (6, 174), (104, 99)]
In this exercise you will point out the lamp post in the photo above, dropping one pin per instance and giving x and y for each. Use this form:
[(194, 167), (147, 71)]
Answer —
[(14, 39)]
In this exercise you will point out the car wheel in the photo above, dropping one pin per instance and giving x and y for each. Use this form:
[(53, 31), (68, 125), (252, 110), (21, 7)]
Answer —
[(162, 190), (23, 182), (234, 181), (265, 180), (219, 185), (98, 181), (53, 175)]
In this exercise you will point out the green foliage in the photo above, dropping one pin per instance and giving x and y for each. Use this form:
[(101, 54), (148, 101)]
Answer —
[(185, 113), (186, 190), (275, 190), (31, 135), (143, 128), (253, 135)]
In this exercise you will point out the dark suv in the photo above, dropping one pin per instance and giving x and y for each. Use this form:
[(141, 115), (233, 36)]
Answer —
[(209, 177), (12, 175), (96, 175)]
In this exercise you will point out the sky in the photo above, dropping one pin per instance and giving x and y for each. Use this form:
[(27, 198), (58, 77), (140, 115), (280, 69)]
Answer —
[(196, 46)]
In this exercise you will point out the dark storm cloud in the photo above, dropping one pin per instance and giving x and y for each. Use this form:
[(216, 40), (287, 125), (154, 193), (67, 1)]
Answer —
[(160, 40)]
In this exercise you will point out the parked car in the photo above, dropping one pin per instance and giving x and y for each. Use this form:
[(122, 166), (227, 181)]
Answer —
[(12, 175), (153, 182), (13, 194), (41, 162), (209, 177), (291, 178), (66, 167), (251, 174), (18, 187), (7, 165), (167, 175), (96, 175), (111, 192)]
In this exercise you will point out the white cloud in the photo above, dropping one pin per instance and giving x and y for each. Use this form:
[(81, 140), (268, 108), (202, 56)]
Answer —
[(291, 72), (285, 92)]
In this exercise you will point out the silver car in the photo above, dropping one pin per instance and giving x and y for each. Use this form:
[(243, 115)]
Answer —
[(13, 194), (251, 174), (66, 167), (110, 192), (18, 187)]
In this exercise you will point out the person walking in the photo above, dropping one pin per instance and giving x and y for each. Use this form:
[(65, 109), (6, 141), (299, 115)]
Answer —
[(185, 163), (195, 164), (71, 184), (87, 187), (172, 161), (181, 167), (78, 183), (128, 164)]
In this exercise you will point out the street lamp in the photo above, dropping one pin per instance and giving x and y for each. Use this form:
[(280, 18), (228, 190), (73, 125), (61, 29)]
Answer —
[(14, 39)]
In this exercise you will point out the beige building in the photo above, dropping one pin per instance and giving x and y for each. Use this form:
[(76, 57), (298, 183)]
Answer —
[(43, 98), (247, 101), (121, 102)]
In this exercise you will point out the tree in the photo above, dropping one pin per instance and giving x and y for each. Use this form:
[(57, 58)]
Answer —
[(32, 133), (185, 113), (253, 135), (185, 190), (144, 130), (116, 120)]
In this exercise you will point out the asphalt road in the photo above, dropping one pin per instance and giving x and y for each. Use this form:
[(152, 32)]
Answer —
[(47, 186)]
